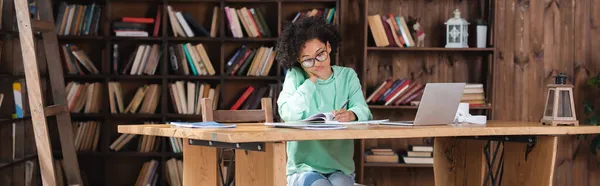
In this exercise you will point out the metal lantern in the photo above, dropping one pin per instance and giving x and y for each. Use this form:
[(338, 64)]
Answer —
[(457, 31)]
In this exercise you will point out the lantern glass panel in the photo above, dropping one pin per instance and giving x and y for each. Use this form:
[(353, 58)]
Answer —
[(565, 104), (549, 103)]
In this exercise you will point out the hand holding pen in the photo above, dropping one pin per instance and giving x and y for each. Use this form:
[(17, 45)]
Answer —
[(344, 115)]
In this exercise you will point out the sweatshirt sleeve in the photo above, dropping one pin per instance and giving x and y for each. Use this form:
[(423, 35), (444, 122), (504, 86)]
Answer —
[(294, 100), (357, 103)]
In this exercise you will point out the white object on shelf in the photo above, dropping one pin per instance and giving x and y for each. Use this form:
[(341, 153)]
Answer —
[(481, 36), (457, 31)]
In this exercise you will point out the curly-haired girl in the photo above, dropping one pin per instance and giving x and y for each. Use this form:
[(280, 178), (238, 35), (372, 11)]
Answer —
[(312, 85)]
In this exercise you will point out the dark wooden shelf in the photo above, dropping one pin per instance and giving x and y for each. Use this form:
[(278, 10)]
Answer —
[(487, 107), (17, 161), (117, 38), (11, 120), (137, 116), (136, 154), (270, 39), (210, 39), (135, 77), (68, 37), (271, 78), (85, 76), (184, 116), (396, 165), (92, 116), (430, 49), (191, 77)]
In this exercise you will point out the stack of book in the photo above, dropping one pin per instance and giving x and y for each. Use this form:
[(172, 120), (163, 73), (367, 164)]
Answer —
[(189, 59), (187, 96), (149, 94), (251, 61), (252, 19), (149, 174), (418, 154), (143, 60), (329, 14), (474, 95), (396, 92), (78, 20), (183, 24), (174, 172), (390, 31), (71, 55), (84, 97), (250, 98), (176, 144), (86, 135), (381, 156)]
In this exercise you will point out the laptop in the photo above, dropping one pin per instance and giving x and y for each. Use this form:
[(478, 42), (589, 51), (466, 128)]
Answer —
[(438, 105)]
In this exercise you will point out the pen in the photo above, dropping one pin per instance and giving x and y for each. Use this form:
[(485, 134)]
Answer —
[(345, 103)]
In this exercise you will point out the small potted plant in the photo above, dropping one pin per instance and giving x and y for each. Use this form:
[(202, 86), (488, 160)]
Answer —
[(481, 26)]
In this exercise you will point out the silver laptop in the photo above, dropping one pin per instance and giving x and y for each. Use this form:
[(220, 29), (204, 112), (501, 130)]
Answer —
[(438, 105)]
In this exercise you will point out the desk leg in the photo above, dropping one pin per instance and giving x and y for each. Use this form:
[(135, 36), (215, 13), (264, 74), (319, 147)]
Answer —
[(464, 162), (199, 165), (257, 168), (458, 162), (538, 169)]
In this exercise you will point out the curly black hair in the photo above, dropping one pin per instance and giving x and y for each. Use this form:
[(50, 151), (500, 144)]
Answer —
[(294, 35)]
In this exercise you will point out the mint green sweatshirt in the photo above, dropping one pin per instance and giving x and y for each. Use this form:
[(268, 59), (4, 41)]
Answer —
[(301, 98)]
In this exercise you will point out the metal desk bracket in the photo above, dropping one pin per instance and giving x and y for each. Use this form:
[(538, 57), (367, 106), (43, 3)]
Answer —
[(252, 146)]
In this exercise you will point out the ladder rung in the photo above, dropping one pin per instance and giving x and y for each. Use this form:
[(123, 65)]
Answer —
[(53, 110), (42, 26)]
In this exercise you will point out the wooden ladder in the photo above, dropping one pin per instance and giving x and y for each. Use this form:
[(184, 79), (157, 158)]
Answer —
[(39, 112)]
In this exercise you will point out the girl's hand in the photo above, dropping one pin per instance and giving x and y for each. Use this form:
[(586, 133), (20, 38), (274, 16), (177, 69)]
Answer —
[(344, 115)]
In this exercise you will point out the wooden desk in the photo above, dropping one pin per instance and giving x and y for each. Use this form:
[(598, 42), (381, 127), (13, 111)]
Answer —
[(460, 151)]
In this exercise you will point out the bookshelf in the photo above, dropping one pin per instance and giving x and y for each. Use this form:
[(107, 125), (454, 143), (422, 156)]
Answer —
[(431, 63), (18, 154), (104, 166)]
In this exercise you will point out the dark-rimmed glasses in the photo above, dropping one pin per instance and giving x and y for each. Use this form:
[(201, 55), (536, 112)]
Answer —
[(322, 56)]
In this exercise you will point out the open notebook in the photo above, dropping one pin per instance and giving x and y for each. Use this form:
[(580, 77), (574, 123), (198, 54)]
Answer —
[(320, 121)]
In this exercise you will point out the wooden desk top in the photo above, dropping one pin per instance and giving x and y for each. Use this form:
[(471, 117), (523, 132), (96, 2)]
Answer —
[(260, 133)]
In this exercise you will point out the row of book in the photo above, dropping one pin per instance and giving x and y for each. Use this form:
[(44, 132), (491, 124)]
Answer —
[(415, 154), (174, 172), (148, 174), (252, 20), (183, 24), (146, 96), (192, 59), (87, 135), (390, 31), (176, 144), (329, 14), (78, 20), (84, 97), (396, 92), (74, 58), (187, 96), (251, 61), (143, 60), (251, 96)]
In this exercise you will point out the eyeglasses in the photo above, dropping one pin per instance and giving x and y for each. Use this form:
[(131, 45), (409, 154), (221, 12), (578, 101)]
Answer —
[(322, 56)]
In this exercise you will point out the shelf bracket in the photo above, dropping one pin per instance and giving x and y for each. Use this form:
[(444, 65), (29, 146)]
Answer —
[(251, 146)]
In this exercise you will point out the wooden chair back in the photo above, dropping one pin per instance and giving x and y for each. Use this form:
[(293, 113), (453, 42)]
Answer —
[(265, 114)]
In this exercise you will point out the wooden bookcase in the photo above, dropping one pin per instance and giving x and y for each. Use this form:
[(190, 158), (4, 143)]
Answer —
[(432, 63), (17, 142), (106, 167)]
